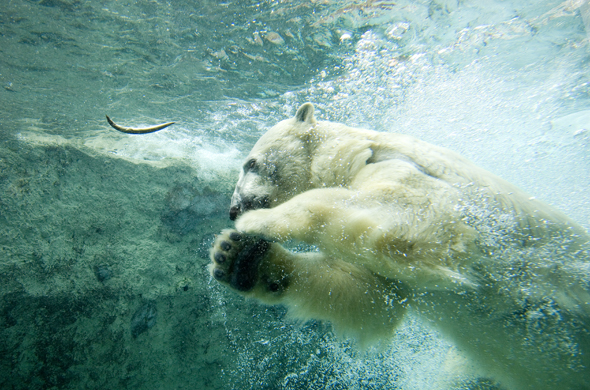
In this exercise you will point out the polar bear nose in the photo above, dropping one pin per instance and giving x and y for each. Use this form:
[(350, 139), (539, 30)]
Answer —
[(234, 211)]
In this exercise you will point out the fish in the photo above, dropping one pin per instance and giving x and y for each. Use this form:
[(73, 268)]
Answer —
[(138, 130)]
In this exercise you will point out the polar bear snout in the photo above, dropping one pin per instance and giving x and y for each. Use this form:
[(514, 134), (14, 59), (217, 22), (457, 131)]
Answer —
[(237, 208), (253, 191)]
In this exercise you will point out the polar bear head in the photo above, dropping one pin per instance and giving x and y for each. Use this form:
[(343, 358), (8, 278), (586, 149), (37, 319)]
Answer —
[(277, 167)]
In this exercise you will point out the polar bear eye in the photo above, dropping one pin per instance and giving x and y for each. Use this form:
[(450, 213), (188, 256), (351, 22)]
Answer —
[(251, 164)]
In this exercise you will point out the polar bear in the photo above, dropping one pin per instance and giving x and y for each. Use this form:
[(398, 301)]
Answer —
[(401, 225)]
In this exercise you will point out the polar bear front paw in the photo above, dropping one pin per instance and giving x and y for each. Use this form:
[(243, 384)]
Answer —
[(235, 259)]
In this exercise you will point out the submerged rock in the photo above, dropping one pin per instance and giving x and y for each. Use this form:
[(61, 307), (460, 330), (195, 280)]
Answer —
[(103, 273), (144, 318), (186, 207)]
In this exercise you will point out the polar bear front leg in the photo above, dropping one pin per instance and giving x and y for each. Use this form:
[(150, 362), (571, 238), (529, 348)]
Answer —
[(356, 301), (302, 218)]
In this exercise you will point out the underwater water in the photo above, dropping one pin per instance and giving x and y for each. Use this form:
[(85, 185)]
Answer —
[(104, 236)]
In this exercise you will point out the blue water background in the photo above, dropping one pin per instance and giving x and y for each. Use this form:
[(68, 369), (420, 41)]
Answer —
[(505, 83)]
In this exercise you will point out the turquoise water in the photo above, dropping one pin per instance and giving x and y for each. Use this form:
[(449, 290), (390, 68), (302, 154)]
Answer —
[(98, 227)]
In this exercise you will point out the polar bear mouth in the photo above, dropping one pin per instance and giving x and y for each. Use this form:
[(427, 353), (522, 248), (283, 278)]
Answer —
[(241, 207), (234, 211)]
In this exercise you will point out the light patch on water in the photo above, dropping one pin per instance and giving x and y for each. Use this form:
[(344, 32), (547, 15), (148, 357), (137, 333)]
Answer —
[(212, 161)]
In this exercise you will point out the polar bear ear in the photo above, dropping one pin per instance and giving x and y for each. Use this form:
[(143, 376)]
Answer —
[(305, 114)]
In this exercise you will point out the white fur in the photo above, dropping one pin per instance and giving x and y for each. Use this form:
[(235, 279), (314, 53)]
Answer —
[(404, 225)]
